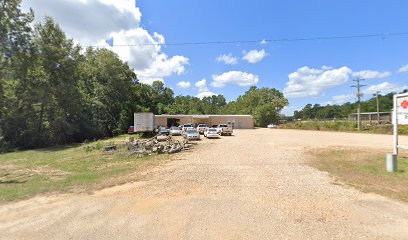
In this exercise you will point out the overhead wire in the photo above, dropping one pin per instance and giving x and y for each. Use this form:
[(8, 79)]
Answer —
[(339, 37)]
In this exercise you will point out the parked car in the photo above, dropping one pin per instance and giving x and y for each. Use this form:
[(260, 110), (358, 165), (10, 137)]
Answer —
[(201, 128), (175, 131), (163, 131), (226, 129), (185, 126), (131, 130), (272, 126), (191, 134), (189, 128), (212, 133)]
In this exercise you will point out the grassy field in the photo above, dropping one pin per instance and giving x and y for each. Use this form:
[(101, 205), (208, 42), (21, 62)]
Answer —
[(364, 170), (343, 126), (80, 167)]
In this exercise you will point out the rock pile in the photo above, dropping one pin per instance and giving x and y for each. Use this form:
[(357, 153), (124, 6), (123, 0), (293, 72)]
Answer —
[(142, 147)]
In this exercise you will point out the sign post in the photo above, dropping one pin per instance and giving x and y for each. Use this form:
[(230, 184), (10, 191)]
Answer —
[(399, 117)]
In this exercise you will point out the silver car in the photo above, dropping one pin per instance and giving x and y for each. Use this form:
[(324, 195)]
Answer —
[(185, 126), (175, 131), (272, 126), (191, 134)]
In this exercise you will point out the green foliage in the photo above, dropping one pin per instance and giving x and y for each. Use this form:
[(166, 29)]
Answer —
[(342, 111), (345, 126), (264, 104), (194, 105)]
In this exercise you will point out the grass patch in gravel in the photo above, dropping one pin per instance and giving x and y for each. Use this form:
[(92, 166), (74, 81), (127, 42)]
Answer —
[(79, 167), (363, 169)]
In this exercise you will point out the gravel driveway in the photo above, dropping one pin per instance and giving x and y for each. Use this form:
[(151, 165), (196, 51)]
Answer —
[(253, 185)]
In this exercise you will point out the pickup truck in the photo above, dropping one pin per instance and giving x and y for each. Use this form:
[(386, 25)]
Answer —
[(201, 128), (226, 129), (185, 126)]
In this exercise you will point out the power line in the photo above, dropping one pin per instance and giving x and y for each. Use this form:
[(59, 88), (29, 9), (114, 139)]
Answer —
[(380, 35)]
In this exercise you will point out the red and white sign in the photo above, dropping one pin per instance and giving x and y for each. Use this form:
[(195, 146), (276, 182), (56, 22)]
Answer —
[(402, 109), (404, 104)]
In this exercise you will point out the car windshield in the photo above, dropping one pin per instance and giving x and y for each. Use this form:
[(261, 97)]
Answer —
[(212, 130), (188, 126), (223, 125), (191, 131), (202, 125)]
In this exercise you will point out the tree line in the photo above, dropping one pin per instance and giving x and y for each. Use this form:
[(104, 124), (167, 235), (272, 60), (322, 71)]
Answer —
[(317, 111), (53, 91)]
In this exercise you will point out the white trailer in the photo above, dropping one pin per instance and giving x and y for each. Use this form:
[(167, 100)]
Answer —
[(144, 122)]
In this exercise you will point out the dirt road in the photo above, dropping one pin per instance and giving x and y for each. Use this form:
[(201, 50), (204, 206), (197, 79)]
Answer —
[(253, 185)]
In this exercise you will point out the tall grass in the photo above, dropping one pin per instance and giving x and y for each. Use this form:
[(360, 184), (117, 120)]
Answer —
[(343, 126)]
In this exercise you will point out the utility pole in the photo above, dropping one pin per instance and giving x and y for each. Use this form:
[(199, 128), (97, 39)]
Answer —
[(378, 107), (359, 94)]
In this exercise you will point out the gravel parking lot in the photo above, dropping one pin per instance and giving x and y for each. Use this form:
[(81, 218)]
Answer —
[(253, 185)]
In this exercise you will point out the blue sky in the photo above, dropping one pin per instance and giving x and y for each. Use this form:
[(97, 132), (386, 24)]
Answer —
[(319, 71)]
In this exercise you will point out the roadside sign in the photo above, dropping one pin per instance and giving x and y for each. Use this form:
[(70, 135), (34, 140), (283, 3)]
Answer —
[(399, 117), (402, 110)]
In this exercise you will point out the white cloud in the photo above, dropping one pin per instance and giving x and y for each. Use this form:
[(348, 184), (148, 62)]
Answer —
[(184, 84), (227, 59), (289, 110), (91, 22), (254, 56), (326, 67), (403, 69), (205, 94), (202, 85), (234, 77), (385, 88), (310, 82), (263, 41), (88, 21), (340, 99), (369, 74), (162, 67), (203, 89)]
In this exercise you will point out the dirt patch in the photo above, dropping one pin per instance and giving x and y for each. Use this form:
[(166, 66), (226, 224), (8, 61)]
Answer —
[(19, 174), (363, 169)]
